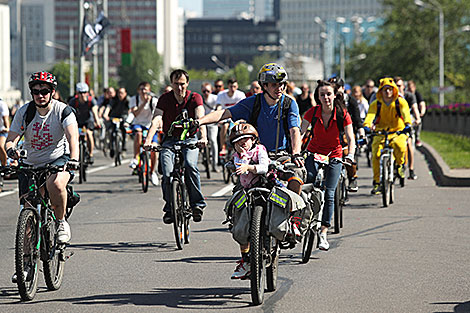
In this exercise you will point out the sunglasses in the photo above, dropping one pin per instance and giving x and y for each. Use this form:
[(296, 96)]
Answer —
[(206, 91), (370, 86), (218, 86), (43, 92)]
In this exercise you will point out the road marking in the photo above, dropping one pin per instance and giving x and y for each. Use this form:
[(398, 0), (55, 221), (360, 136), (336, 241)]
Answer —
[(7, 193), (223, 191)]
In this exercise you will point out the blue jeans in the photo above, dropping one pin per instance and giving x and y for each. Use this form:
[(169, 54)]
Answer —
[(332, 173), (191, 174)]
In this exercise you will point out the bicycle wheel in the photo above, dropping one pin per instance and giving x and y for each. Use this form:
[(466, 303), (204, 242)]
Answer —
[(226, 174), (53, 262), (187, 217), (271, 270), (344, 198), (257, 262), (385, 181), (307, 245), (118, 148), (26, 255), (82, 169), (145, 168), (207, 160), (177, 208), (338, 209)]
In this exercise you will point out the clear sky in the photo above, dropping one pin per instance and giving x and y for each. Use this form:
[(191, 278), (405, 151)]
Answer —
[(191, 5)]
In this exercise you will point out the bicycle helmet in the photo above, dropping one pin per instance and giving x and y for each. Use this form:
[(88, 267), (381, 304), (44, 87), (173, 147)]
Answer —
[(82, 87), (272, 73), (42, 78), (242, 130)]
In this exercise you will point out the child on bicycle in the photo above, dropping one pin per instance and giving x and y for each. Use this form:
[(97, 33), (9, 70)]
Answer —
[(250, 159)]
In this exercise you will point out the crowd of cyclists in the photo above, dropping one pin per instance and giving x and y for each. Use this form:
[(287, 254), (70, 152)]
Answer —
[(272, 118)]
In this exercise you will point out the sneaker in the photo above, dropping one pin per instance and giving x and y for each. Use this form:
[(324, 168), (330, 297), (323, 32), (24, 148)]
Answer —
[(418, 143), (412, 175), (242, 271), (197, 214), (376, 190), (134, 163), (322, 242), (63, 232), (401, 171), (154, 179), (167, 218), (353, 185)]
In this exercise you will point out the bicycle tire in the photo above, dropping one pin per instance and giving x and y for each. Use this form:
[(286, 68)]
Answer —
[(257, 262), (177, 207), (336, 215), (118, 148), (26, 228), (307, 244), (187, 218), (206, 160), (344, 197), (226, 174), (272, 269), (81, 177), (52, 263), (145, 169), (385, 181)]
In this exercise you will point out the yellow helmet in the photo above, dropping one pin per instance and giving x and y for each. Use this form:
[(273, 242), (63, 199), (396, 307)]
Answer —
[(272, 73)]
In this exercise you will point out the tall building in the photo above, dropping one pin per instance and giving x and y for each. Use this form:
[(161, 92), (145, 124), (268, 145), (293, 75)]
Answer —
[(5, 68), (314, 28), (230, 40), (259, 9)]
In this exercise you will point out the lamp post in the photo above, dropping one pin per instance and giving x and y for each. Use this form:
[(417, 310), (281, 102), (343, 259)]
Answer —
[(219, 63), (436, 6)]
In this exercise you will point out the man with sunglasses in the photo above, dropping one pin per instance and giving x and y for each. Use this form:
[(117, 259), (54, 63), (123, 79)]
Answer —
[(50, 137), (86, 109)]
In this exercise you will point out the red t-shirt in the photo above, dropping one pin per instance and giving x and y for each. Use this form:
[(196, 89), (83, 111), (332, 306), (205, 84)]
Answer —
[(171, 108), (326, 140)]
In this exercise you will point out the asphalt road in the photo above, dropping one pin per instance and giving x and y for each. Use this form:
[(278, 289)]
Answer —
[(410, 257)]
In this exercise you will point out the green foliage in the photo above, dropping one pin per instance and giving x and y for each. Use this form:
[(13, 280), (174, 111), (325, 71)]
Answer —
[(408, 45), (454, 149), (258, 62), (146, 66), (61, 71)]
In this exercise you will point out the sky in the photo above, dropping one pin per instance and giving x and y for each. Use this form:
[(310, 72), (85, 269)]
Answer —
[(191, 5)]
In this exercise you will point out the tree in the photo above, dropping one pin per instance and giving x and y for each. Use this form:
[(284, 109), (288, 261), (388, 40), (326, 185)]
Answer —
[(146, 65), (407, 45), (61, 71)]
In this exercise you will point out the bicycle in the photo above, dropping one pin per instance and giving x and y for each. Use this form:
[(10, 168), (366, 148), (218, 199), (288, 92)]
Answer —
[(115, 140), (388, 168), (206, 159), (84, 155), (341, 197), (36, 232), (143, 167)]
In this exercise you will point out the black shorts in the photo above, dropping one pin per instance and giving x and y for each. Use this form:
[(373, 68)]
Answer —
[(23, 183), (89, 124)]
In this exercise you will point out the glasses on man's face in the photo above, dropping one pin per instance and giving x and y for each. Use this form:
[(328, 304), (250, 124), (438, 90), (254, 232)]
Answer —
[(218, 86), (43, 92), (371, 86), (206, 91)]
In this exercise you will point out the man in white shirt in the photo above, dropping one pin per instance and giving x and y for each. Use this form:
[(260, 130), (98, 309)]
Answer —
[(226, 99), (210, 105)]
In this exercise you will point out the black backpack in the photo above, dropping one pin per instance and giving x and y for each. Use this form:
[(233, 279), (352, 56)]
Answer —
[(286, 102), (339, 123), (31, 112), (379, 106)]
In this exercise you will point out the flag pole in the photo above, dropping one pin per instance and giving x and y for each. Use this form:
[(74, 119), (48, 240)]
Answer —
[(105, 50), (81, 56)]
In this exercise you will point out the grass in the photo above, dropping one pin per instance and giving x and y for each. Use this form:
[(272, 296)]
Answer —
[(454, 149)]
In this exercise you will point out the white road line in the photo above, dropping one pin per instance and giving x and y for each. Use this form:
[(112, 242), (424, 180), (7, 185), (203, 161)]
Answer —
[(223, 191), (7, 193)]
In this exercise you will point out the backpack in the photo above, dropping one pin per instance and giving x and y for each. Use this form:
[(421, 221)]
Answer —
[(339, 124), (379, 106), (31, 112), (75, 102), (286, 103), (137, 97)]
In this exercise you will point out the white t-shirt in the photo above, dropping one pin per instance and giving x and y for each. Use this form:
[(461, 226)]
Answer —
[(209, 104), (226, 101), (363, 108), (45, 139), (145, 116), (3, 112)]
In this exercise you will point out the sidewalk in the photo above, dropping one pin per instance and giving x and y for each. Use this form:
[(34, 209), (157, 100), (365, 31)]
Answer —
[(442, 174)]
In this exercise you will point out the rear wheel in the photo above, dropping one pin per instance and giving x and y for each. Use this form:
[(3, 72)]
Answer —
[(177, 210), (385, 181), (207, 160), (145, 168), (307, 245), (271, 270), (26, 255), (257, 262), (53, 263), (226, 174), (82, 170)]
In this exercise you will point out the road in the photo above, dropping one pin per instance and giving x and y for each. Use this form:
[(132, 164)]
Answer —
[(410, 257)]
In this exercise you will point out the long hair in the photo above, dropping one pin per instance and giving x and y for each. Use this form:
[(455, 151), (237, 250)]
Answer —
[(339, 97)]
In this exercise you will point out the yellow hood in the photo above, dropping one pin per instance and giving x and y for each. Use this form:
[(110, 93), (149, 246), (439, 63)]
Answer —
[(387, 81)]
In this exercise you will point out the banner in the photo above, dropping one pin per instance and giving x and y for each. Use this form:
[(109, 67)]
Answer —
[(92, 34)]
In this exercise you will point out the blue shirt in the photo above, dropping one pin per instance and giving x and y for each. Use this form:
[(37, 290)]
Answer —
[(267, 120)]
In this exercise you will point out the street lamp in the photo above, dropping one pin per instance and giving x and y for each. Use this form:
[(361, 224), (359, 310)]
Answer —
[(219, 63), (436, 6)]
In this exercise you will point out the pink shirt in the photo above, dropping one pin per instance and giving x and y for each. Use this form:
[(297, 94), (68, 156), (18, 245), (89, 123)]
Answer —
[(257, 156)]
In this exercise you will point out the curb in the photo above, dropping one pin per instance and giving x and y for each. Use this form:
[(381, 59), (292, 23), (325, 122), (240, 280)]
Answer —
[(442, 174)]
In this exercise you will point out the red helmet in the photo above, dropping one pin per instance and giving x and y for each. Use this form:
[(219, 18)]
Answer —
[(242, 130), (42, 78)]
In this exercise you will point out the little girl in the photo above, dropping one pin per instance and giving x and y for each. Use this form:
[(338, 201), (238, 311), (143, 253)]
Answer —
[(251, 159)]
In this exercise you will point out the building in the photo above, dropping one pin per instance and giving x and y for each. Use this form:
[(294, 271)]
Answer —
[(5, 68), (315, 28), (230, 41), (259, 9)]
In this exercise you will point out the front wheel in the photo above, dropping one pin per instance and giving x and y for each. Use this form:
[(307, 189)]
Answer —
[(118, 148), (226, 174), (271, 270), (26, 254), (257, 261), (82, 170), (53, 263), (307, 245), (385, 181), (207, 160), (177, 207), (144, 168), (338, 210)]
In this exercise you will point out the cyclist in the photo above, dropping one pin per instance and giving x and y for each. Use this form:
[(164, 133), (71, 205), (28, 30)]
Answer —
[(262, 110), (4, 126), (329, 120), (51, 136), (86, 111), (388, 112), (117, 108), (169, 108)]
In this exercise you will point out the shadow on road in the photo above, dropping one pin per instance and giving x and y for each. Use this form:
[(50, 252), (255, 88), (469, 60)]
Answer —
[(461, 307), (127, 247), (202, 259)]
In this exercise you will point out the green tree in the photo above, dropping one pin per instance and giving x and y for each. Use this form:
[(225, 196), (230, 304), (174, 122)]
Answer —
[(258, 61), (146, 65), (61, 71), (407, 45)]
